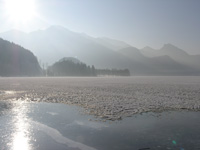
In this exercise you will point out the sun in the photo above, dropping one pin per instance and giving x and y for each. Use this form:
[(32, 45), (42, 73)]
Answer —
[(20, 11)]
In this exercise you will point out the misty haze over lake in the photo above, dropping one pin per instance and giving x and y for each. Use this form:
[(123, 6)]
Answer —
[(99, 75), (57, 42)]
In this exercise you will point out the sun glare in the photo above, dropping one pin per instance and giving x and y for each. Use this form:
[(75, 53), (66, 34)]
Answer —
[(20, 11)]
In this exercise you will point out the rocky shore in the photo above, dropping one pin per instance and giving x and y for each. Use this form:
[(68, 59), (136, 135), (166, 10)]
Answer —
[(108, 98)]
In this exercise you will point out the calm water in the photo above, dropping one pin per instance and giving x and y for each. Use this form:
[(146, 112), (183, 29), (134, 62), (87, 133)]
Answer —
[(47, 126)]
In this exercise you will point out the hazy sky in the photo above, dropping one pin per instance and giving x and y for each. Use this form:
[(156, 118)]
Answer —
[(138, 22)]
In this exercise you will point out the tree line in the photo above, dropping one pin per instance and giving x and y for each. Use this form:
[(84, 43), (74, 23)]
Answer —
[(66, 67)]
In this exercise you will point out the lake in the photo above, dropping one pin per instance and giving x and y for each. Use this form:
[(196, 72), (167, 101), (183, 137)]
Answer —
[(100, 113), (50, 126)]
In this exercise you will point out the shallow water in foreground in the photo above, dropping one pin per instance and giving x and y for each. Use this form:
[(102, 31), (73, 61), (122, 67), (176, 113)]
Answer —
[(47, 126)]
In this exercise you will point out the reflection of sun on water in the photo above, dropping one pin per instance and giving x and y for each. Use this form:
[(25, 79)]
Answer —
[(21, 136), (20, 142)]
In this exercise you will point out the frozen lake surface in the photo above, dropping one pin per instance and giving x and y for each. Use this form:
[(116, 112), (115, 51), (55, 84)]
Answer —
[(108, 113), (109, 98), (48, 126)]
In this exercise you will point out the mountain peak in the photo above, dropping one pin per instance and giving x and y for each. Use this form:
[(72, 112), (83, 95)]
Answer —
[(148, 48), (168, 45), (173, 49)]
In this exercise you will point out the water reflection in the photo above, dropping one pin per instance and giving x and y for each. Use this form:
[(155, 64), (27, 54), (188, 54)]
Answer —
[(21, 135), (62, 127)]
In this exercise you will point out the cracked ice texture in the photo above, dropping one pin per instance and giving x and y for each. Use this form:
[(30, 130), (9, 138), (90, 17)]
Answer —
[(109, 98)]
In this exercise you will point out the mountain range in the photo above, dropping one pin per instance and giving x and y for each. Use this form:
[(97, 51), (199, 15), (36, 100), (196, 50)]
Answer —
[(56, 42)]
